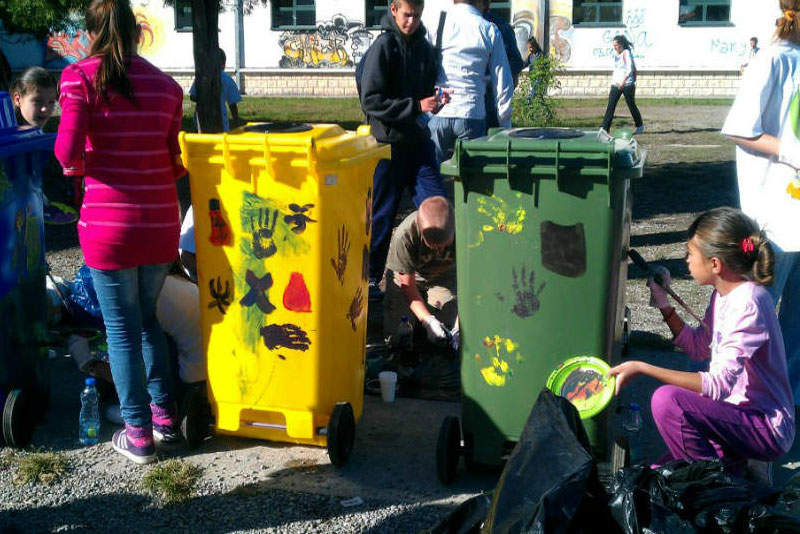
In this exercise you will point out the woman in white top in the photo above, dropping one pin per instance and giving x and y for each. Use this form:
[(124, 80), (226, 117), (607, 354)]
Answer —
[(623, 82), (764, 121)]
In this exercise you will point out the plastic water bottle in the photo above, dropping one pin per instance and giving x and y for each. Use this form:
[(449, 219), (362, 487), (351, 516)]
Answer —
[(631, 426), (405, 334), (89, 421)]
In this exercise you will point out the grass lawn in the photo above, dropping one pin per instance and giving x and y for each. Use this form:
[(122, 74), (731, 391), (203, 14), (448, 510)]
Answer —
[(347, 112)]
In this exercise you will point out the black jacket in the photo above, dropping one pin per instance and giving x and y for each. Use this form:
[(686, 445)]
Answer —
[(397, 74)]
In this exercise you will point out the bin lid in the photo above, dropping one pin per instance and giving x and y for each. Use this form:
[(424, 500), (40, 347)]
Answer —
[(22, 139), (543, 151), (278, 127)]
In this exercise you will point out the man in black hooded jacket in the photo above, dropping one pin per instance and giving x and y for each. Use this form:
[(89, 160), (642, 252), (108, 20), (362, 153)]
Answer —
[(397, 88)]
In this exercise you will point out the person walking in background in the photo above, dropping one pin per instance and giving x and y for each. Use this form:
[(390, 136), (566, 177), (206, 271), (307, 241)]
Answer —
[(472, 50), (761, 122), (752, 54), (534, 51), (119, 129), (229, 95), (623, 83)]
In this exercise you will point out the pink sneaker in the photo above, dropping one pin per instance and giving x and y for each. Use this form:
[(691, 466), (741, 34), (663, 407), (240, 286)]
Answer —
[(165, 424), (135, 443)]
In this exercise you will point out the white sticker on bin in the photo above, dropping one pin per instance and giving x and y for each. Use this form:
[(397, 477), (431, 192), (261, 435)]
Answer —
[(331, 179)]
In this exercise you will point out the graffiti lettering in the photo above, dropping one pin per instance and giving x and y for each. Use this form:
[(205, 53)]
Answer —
[(327, 47), (728, 48)]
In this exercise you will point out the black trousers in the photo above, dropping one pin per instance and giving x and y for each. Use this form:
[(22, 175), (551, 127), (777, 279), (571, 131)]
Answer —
[(629, 91)]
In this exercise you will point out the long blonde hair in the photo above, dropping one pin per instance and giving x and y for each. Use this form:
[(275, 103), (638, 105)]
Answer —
[(788, 24)]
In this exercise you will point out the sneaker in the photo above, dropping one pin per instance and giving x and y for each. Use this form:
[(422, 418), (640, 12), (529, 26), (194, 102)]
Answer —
[(165, 424), (135, 443), (638, 130), (375, 292), (603, 136)]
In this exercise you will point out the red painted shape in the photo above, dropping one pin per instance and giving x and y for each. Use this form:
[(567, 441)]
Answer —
[(296, 297)]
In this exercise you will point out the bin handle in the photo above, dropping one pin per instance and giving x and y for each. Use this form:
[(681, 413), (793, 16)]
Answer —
[(267, 159), (226, 155), (312, 156)]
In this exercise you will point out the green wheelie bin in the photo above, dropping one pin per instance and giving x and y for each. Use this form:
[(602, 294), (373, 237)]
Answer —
[(543, 224)]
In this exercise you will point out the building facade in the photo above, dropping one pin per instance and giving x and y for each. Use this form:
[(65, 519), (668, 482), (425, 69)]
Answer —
[(310, 47)]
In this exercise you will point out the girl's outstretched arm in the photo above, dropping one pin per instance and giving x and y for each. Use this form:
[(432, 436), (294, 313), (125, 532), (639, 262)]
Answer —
[(627, 370)]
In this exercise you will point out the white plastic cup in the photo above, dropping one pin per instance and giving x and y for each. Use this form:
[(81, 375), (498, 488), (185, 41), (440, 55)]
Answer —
[(388, 381)]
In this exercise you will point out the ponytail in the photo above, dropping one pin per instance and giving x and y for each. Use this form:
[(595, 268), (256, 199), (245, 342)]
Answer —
[(115, 33), (764, 262), (788, 25), (736, 239), (623, 41)]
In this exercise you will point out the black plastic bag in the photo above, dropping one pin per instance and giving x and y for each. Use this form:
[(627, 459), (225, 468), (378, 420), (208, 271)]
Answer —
[(550, 483), (467, 518)]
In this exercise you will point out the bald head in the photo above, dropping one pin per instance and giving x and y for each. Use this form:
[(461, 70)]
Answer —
[(436, 222)]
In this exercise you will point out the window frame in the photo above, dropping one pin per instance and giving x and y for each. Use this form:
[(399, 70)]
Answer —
[(375, 6), (275, 8), (704, 4), (177, 7), (500, 9), (596, 23)]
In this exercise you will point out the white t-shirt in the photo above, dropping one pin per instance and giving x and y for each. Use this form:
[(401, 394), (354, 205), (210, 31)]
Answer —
[(762, 107), (178, 313), (623, 66), (186, 241)]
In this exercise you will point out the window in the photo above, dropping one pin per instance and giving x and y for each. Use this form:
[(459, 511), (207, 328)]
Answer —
[(597, 12), (704, 12), (502, 10), (293, 15), (183, 15), (374, 12)]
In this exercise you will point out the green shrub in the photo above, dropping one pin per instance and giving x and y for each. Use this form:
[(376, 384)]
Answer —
[(533, 102)]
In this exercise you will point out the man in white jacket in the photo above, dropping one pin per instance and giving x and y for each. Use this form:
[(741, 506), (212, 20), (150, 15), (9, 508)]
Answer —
[(473, 60)]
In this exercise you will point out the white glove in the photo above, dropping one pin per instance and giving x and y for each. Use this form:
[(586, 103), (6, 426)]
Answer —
[(790, 152), (455, 338), (436, 332), (658, 297)]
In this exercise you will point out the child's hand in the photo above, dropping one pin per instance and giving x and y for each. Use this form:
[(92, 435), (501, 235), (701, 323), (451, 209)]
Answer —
[(624, 372), (429, 105), (658, 297)]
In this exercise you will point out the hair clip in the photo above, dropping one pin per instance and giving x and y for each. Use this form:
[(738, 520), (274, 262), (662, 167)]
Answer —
[(747, 245)]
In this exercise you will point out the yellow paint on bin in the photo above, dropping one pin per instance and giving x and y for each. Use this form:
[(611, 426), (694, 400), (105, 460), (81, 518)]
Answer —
[(281, 233)]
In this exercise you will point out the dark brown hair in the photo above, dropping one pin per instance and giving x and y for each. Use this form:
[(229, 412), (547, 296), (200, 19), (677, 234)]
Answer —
[(723, 233), (788, 24), (33, 79), (115, 32)]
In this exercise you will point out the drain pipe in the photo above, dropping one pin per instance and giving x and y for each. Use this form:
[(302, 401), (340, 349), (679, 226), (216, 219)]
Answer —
[(239, 50)]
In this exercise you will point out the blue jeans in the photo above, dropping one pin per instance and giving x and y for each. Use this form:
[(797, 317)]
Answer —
[(786, 287), (445, 131), (137, 348), (413, 166)]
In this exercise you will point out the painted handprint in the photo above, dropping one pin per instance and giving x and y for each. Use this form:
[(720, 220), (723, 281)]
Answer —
[(298, 219), (263, 231), (499, 350), (258, 292), (526, 296), (220, 299), (339, 263), (356, 307), (288, 336)]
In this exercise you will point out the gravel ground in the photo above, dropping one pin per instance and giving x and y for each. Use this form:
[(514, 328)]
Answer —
[(252, 486)]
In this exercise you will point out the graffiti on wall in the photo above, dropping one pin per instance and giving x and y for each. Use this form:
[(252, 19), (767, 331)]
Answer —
[(527, 23), (634, 22), (729, 48), (336, 43), (72, 45)]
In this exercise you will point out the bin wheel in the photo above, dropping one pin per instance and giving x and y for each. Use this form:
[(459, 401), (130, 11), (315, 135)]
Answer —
[(195, 421), (341, 433), (448, 449), (18, 419), (469, 454)]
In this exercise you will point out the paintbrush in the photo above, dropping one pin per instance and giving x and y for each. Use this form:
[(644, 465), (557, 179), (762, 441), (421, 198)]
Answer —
[(641, 263)]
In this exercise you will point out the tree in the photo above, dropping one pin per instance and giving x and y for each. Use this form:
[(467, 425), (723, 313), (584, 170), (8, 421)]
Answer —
[(38, 17)]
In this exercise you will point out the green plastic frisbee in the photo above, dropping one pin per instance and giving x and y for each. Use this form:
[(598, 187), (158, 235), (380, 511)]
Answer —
[(583, 381)]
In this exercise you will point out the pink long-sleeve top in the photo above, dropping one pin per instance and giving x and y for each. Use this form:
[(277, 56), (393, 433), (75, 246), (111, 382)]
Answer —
[(748, 361), (127, 152)]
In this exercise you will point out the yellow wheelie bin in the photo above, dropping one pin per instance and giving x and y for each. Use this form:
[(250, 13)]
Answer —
[(282, 215)]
